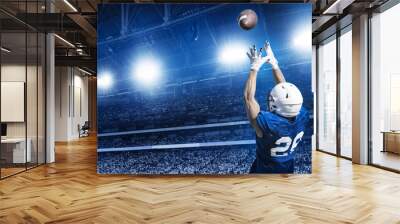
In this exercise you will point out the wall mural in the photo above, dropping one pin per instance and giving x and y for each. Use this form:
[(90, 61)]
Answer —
[(204, 88)]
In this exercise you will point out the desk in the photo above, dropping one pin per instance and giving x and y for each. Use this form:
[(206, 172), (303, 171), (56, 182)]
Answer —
[(16, 147), (391, 141)]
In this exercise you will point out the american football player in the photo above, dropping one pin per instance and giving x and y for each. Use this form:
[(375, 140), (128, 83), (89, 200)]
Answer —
[(279, 130)]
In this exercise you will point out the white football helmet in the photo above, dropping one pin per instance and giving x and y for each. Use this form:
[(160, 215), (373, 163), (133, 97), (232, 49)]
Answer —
[(285, 99)]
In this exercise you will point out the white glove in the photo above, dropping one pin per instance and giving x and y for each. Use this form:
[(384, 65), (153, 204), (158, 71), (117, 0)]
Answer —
[(271, 57), (256, 60)]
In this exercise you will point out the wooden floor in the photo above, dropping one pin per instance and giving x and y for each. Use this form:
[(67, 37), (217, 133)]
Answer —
[(70, 191), (5, 172)]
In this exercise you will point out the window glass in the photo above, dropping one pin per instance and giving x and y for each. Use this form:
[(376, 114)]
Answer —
[(327, 96), (346, 94), (385, 84)]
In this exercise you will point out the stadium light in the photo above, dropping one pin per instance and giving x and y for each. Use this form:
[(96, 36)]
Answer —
[(147, 71), (104, 80), (233, 54), (302, 40)]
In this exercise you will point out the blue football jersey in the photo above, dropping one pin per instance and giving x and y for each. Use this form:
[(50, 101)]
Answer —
[(281, 137)]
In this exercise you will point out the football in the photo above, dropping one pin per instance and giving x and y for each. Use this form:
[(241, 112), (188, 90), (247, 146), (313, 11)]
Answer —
[(247, 19)]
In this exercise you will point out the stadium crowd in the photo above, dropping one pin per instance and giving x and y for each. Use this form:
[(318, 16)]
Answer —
[(213, 160), (210, 160)]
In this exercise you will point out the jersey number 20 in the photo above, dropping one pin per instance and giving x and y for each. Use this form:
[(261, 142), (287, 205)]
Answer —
[(286, 144)]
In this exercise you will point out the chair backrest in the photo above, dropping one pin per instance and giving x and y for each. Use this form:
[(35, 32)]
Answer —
[(86, 125)]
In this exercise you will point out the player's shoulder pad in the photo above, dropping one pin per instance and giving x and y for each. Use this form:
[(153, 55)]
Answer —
[(304, 115), (263, 118)]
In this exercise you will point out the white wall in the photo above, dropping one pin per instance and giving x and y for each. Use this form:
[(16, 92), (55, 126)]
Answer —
[(16, 73), (9, 73), (80, 111), (62, 82), (71, 102)]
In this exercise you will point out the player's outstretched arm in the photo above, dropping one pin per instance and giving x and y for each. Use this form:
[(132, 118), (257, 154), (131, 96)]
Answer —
[(276, 71), (251, 104)]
